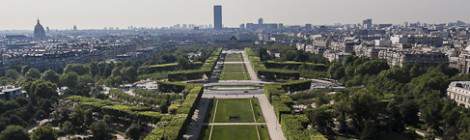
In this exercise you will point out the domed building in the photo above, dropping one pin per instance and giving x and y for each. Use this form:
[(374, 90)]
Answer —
[(39, 32)]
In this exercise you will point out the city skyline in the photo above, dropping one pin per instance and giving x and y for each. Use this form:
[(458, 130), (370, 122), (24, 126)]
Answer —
[(87, 14)]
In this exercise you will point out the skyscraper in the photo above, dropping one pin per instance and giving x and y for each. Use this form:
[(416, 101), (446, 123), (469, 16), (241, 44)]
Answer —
[(39, 32), (218, 17)]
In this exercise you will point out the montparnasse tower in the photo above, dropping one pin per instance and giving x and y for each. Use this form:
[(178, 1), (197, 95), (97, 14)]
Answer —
[(39, 32)]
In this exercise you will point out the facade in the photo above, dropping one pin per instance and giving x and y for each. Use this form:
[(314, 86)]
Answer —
[(459, 91), (402, 57), (218, 17), (463, 63), (39, 32)]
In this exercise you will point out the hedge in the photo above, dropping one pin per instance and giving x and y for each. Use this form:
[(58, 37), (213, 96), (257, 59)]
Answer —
[(278, 74), (279, 100), (169, 128), (188, 75), (190, 100), (205, 69), (159, 67), (294, 128), (171, 87), (291, 65), (121, 111), (298, 85), (174, 128)]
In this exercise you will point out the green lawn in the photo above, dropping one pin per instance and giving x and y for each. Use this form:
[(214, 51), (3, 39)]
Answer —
[(232, 110), (234, 72), (236, 132), (242, 110), (234, 58)]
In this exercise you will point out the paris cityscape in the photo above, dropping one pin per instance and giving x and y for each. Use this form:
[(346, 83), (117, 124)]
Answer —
[(270, 78)]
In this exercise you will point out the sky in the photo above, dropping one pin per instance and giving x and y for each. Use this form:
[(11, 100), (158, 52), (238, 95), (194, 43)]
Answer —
[(97, 14)]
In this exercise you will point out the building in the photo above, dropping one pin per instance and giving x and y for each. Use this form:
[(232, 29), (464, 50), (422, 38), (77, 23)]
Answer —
[(367, 24), (402, 58), (459, 91), (463, 61), (262, 26), (39, 32), (218, 17), (10, 92)]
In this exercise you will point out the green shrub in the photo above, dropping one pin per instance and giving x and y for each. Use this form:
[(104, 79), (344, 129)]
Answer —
[(295, 128)]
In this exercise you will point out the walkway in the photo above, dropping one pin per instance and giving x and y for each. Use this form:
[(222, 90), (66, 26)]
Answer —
[(197, 120), (249, 67), (274, 128)]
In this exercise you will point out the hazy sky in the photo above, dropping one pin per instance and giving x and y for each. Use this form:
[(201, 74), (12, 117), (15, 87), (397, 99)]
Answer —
[(63, 14)]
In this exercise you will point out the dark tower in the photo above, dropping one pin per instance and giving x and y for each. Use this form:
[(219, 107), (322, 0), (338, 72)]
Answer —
[(218, 17)]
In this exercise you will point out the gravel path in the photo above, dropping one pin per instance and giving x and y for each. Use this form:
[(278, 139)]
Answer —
[(249, 67)]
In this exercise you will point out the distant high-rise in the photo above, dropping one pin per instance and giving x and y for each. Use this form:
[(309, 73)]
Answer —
[(260, 21), (367, 23), (218, 17), (75, 28), (39, 32)]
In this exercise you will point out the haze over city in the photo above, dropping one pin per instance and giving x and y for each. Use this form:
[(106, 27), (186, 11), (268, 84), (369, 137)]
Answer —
[(234, 70), (60, 14)]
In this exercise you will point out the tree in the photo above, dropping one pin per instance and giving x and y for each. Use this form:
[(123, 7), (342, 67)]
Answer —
[(134, 131), (12, 74), (100, 130), (183, 62), (50, 76), (322, 118), (42, 89), (43, 94), (44, 133), (129, 74), (363, 107), (69, 79), (14, 132), (67, 127), (94, 69), (33, 74), (77, 68)]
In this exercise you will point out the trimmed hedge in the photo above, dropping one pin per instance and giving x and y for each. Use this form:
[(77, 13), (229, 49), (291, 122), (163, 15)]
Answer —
[(298, 85), (277, 74), (159, 67), (173, 127), (190, 100), (294, 128), (205, 69), (291, 65), (171, 87), (278, 99), (124, 112), (169, 128), (188, 75)]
